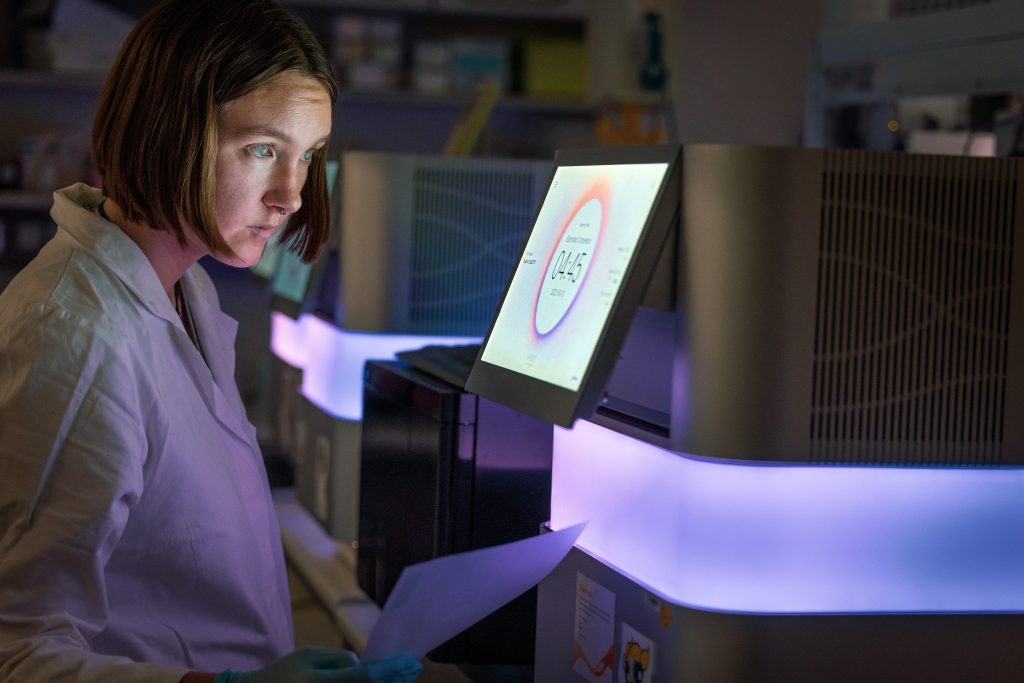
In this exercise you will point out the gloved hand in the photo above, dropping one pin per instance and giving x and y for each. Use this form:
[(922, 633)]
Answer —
[(325, 665)]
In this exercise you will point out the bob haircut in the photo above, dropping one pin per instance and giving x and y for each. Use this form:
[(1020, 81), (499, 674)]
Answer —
[(154, 139)]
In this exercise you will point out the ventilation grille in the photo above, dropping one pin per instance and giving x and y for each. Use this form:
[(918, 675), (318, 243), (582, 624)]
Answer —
[(467, 230), (914, 287)]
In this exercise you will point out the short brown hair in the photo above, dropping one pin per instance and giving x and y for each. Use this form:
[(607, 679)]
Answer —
[(154, 139)]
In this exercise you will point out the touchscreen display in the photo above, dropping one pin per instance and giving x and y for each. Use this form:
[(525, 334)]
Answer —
[(291, 277), (291, 274), (572, 269), (267, 264)]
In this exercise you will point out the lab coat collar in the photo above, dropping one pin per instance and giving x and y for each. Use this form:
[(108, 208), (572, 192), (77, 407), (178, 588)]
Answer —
[(73, 210)]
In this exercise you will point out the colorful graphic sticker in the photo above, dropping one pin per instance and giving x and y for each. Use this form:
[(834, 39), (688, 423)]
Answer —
[(636, 656), (593, 655)]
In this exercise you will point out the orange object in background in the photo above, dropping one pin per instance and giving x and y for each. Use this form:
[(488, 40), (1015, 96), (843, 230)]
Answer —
[(632, 123)]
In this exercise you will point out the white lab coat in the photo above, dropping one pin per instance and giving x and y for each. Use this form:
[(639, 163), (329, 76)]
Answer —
[(136, 521)]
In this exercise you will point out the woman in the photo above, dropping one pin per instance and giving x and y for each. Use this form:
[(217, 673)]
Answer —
[(137, 535)]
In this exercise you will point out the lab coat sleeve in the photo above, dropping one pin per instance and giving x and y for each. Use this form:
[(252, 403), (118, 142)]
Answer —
[(72, 451)]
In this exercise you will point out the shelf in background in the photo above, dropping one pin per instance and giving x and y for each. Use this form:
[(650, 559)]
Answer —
[(531, 9), (23, 200), (44, 80), (535, 9), (520, 103), (47, 80)]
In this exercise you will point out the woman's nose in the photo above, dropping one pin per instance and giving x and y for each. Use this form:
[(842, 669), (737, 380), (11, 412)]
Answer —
[(285, 193)]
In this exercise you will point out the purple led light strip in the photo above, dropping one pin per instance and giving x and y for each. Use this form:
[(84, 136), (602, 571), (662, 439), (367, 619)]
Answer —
[(793, 539)]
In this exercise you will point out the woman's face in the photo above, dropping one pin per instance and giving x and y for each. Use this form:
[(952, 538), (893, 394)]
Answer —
[(266, 141)]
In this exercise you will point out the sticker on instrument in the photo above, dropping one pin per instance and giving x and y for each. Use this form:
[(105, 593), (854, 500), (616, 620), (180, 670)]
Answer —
[(594, 631)]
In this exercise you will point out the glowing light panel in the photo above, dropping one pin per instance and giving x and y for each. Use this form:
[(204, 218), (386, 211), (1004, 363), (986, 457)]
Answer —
[(287, 339), (793, 539), (333, 376)]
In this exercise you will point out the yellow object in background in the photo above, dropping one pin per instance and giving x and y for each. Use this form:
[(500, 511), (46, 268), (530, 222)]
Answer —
[(467, 130), (554, 68)]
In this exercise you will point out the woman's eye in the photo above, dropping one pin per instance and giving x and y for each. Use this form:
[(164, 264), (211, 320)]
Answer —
[(261, 150), (308, 155)]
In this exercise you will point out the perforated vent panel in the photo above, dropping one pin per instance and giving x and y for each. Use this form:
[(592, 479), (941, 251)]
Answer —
[(468, 227), (913, 309)]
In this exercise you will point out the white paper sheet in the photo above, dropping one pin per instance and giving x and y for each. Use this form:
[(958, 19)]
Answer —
[(436, 600)]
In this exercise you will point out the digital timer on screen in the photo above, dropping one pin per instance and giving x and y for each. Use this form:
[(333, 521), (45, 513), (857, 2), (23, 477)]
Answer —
[(571, 270)]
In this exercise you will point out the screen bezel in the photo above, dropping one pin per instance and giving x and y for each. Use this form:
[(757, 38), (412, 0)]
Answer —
[(551, 402)]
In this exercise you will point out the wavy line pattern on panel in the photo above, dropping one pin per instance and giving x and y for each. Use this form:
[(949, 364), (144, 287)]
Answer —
[(914, 284), (468, 228)]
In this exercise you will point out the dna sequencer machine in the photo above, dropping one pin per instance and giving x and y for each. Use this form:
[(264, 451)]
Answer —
[(788, 390), (423, 245)]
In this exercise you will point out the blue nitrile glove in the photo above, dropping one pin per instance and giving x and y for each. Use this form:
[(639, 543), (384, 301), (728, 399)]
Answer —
[(325, 665)]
